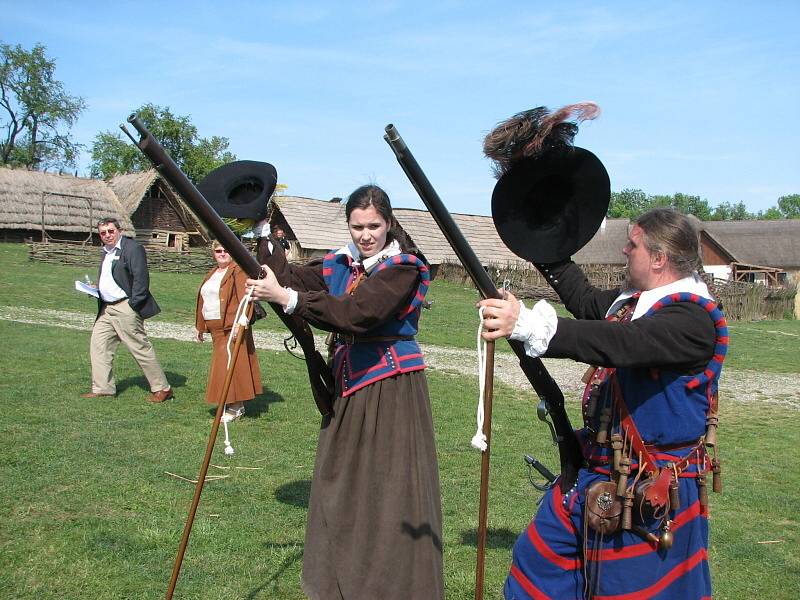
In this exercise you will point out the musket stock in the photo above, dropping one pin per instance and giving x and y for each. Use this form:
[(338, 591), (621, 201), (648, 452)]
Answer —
[(318, 372), (547, 389)]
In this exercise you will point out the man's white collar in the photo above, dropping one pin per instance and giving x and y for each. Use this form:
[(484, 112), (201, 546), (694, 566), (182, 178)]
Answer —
[(692, 285), (392, 249)]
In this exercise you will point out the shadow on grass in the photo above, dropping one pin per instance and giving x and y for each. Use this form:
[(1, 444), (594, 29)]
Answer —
[(495, 538), (254, 408), (295, 493), (176, 381), (287, 562)]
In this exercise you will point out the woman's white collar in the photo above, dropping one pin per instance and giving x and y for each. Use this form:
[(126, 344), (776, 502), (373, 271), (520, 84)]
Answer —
[(392, 249)]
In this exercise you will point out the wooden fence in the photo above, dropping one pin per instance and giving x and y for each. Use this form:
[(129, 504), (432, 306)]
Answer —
[(172, 261), (740, 301)]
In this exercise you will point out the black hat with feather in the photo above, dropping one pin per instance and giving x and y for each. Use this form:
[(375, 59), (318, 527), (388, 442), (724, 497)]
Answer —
[(551, 196)]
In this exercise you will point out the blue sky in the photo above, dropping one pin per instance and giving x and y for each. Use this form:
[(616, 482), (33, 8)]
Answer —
[(697, 97)]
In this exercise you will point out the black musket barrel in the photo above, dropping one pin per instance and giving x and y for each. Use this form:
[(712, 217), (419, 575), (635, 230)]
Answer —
[(197, 202), (545, 386), (441, 215), (318, 371)]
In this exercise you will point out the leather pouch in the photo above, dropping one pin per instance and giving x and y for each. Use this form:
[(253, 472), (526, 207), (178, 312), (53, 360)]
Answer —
[(603, 507)]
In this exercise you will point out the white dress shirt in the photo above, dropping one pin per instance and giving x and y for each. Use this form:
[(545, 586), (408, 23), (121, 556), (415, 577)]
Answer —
[(108, 288)]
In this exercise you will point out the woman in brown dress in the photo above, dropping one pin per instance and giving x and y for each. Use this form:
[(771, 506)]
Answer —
[(375, 520), (217, 301)]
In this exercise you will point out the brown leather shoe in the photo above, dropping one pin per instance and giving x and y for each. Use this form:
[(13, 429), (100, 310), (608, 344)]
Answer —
[(160, 396), (96, 395)]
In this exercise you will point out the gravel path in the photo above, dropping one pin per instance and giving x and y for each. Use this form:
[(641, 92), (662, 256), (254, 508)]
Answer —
[(736, 385)]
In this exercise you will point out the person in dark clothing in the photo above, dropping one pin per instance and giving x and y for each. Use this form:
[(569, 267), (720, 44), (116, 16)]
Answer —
[(279, 235), (375, 522)]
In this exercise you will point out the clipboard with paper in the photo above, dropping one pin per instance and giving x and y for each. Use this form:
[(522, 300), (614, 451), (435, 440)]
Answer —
[(86, 288)]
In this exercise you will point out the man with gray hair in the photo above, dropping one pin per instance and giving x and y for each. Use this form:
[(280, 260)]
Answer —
[(636, 521), (124, 302)]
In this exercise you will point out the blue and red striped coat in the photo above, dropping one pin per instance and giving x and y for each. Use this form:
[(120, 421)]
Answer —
[(669, 409)]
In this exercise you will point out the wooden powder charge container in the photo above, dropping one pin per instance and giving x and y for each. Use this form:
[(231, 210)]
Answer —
[(703, 492), (674, 493), (624, 471), (605, 420), (716, 478), (627, 510), (712, 422), (616, 445)]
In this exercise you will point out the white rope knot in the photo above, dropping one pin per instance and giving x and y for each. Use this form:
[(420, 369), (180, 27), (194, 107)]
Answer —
[(479, 439), (228, 448)]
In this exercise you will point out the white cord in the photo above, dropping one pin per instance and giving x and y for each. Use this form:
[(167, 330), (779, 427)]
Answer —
[(240, 321), (479, 439), (228, 448)]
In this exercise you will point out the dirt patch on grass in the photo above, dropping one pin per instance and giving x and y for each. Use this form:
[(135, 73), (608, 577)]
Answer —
[(737, 385)]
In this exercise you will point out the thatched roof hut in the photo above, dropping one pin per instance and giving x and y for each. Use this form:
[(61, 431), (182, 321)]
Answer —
[(131, 188), (316, 226), (159, 215), (313, 227), (478, 230), (34, 205), (773, 243), (764, 250)]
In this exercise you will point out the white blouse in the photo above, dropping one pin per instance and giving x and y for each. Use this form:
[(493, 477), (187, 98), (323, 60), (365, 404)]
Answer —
[(210, 293)]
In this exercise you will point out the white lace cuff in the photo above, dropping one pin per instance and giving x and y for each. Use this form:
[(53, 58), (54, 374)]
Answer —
[(292, 304), (535, 327)]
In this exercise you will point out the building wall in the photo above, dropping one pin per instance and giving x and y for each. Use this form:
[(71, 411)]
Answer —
[(157, 213), (712, 256), (718, 271)]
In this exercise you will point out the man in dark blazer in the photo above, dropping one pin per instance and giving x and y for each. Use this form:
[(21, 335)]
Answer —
[(124, 302)]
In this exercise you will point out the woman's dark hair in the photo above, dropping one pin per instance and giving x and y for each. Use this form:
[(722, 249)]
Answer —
[(372, 195)]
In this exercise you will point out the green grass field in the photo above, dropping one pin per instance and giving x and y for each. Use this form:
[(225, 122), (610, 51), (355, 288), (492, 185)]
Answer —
[(89, 512)]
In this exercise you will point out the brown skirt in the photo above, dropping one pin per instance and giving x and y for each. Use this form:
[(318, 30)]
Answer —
[(246, 382), (375, 517)]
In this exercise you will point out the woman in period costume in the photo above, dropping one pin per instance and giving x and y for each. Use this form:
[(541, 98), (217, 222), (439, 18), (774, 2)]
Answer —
[(217, 301), (375, 522)]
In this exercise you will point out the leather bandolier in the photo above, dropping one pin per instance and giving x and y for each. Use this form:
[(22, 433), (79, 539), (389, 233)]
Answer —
[(644, 478)]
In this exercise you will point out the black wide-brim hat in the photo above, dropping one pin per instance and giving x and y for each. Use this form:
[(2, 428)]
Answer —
[(240, 189), (547, 207)]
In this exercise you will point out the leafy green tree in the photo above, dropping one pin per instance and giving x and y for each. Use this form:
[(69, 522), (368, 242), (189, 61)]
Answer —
[(790, 206), (726, 211), (627, 204), (771, 214), (690, 205), (36, 112), (113, 154)]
